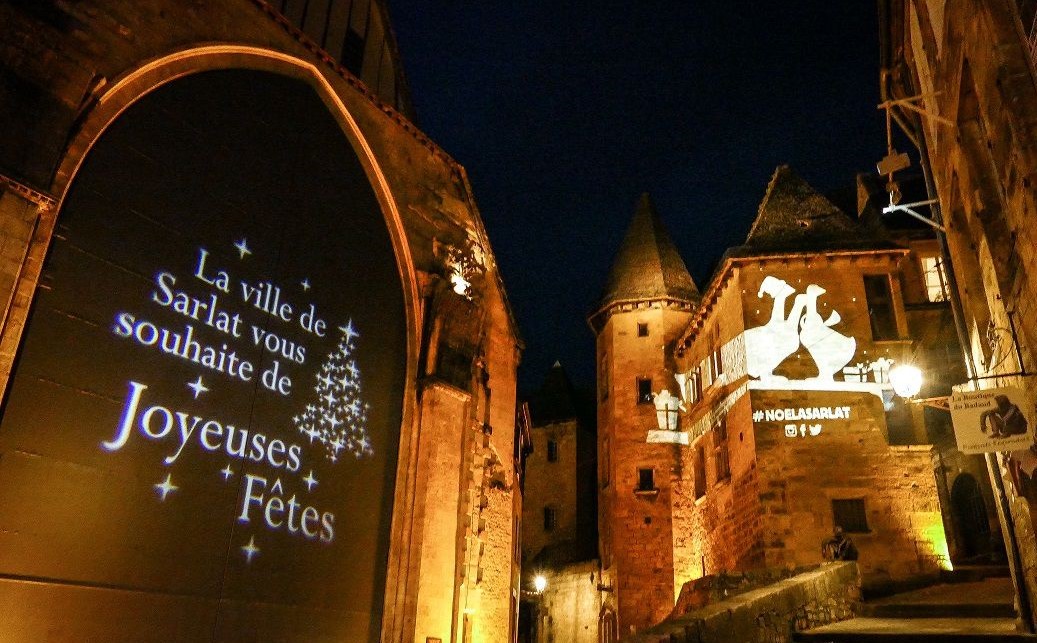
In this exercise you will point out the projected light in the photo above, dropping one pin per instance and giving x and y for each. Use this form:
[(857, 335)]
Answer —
[(906, 380)]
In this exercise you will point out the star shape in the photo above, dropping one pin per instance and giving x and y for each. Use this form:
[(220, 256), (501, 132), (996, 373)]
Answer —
[(333, 421), (166, 487), (250, 549), (227, 472), (325, 380), (242, 247), (337, 445), (312, 433), (198, 387), (305, 283), (310, 481), (349, 330), (331, 399)]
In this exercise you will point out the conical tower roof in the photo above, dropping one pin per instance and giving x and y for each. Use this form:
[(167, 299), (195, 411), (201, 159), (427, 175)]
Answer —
[(648, 265), (793, 217)]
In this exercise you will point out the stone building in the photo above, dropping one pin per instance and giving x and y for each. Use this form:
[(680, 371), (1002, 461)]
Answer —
[(739, 426), (960, 81), (559, 516), (257, 361)]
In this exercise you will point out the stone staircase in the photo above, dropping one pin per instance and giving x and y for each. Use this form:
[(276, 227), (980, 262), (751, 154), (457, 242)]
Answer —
[(968, 606)]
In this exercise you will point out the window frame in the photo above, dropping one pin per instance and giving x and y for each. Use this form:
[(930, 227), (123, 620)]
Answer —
[(641, 398), (854, 513)]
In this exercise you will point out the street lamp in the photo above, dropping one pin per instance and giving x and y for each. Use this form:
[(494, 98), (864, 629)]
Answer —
[(539, 583), (906, 380)]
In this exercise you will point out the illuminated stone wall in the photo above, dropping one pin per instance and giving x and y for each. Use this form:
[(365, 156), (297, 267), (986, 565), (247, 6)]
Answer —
[(71, 71), (635, 527), (797, 442), (572, 602), (973, 63), (550, 484)]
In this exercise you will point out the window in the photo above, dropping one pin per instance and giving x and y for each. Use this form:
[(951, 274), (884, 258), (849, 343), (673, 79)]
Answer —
[(880, 307), (606, 463), (646, 479), (721, 456), (716, 358), (550, 518), (935, 279), (642, 329), (693, 387), (700, 471), (603, 376), (644, 390), (552, 451), (850, 515)]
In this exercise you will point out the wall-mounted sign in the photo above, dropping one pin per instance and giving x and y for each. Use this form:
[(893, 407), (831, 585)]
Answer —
[(208, 398), (996, 419)]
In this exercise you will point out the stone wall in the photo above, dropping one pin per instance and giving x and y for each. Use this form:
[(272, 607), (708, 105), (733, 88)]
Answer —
[(572, 603), (759, 608), (971, 60), (550, 484), (66, 72), (635, 526)]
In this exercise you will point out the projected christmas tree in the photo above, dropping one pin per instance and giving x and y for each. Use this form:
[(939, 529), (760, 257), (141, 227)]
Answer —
[(337, 418)]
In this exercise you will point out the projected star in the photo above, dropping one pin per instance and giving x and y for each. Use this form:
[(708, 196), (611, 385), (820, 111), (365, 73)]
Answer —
[(349, 330), (250, 549), (311, 433), (166, 487), (329, 398), (305, 283), (242, 247), (325, 380), (310, 481), (333, 421), (227, 472), (198, 387)]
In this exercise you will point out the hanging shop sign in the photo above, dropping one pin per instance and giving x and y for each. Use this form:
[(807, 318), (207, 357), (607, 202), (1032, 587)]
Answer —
[(997, 419)]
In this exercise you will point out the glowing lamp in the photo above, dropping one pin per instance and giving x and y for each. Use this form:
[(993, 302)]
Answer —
[(540, 583), (906, 380)]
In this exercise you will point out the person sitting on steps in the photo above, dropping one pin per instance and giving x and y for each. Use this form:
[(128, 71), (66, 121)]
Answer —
[(839, 546)]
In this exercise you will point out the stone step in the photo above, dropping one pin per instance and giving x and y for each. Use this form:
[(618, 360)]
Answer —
[(964, 610), (917, 630), (989, 597)]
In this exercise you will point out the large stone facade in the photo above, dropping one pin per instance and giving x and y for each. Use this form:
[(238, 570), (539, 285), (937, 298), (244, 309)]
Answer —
[(783, 423), (68, 74), (967, 69)]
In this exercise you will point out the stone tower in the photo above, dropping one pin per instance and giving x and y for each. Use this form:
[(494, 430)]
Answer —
[(647, 302)]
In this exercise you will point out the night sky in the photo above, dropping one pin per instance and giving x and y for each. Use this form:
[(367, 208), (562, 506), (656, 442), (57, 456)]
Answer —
[(564, 112)]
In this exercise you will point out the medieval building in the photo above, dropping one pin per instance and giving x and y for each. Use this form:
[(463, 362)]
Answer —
[(958, 79), (738, 425), (559, 516), (256, 358)]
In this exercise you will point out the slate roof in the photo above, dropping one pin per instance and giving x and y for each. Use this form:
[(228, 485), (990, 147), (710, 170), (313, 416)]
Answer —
[(647, 265), (555, 401), (793, 217)]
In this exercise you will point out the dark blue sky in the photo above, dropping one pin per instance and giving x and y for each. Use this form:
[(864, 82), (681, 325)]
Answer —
[(564, 112)]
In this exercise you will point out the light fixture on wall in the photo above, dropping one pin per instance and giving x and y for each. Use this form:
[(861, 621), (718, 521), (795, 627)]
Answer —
[(906, 380), (539, 583)]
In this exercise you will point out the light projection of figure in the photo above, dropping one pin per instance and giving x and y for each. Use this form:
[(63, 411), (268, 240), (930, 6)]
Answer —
[(337, 418), (767, 346), (666, 407)]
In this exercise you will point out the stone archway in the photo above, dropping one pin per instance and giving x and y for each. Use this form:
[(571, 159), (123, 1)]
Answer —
[(970, 516)]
